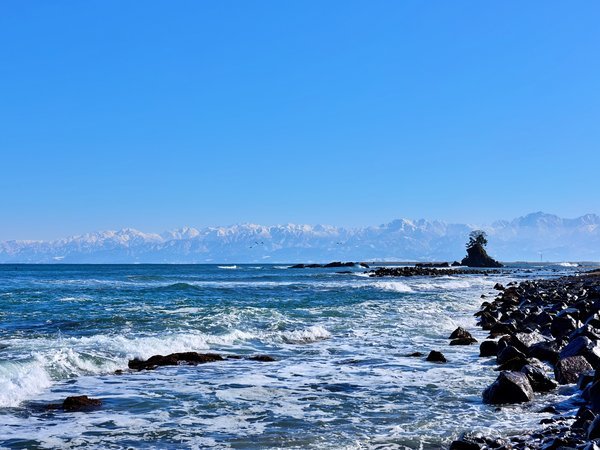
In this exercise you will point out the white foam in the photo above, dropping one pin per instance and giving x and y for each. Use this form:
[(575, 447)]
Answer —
[(228, 267), (394, 286), (310, 334), (20, 381), (568, 264)]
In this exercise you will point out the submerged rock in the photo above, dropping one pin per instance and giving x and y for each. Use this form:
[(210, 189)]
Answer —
[(435, 356), (189, 359), (509, 387), (463, 341), (80, 403), (174, 359)]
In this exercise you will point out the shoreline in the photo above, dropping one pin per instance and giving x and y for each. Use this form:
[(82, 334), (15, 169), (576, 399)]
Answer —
[(539, 326)]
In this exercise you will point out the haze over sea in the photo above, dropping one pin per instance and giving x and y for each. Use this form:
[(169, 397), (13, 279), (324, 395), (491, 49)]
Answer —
[(341, 378)]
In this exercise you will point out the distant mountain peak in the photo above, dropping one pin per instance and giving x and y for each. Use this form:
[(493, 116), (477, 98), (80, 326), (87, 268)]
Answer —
[(523, 238)]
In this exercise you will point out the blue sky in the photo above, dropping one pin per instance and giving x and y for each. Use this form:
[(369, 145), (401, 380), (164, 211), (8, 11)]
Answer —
[(156, 115)]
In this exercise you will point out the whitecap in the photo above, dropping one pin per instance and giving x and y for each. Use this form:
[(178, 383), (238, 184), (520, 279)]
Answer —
[(306, 335), (228, 267), (394, 286)]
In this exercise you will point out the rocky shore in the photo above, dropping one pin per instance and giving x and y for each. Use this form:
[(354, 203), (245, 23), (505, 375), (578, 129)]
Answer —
[(543, 334)]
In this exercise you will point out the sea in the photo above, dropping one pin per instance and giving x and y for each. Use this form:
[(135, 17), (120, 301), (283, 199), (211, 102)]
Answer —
[(342, 378)]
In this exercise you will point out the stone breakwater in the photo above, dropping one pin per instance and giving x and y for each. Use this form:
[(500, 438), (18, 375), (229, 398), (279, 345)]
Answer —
[(543, 334), (424, 271)]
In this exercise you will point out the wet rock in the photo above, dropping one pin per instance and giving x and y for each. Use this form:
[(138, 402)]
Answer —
[(435, 356), (509, 387), (583, 346), (544, 351), (593, 432), (594, 396), (562, 326), (567, 370), (262, 358), (174, 359), (488, 348), (584, 380), (515, 365), (498, 287), (80, 403), (422, 271), (540, 382), (460, 333), (463, 341), (508, 353), (523, 341), (415, 355)]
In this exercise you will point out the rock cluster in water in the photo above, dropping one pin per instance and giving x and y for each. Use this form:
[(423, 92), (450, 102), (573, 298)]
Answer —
[(409, 271), (537, 325), (334, 264), (188, 359)]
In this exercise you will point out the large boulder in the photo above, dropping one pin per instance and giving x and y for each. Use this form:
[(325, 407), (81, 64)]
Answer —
[(508, 353), (478, 257), (509, 387), (488, 348), (567, 370), (460, 333), (583, 346), (540, 382)]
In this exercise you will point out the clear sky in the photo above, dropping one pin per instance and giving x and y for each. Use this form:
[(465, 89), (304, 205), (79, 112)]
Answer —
[(160, 114)]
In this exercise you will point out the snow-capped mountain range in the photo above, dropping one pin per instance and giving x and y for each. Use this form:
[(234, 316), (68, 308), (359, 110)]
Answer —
[(529, 238)]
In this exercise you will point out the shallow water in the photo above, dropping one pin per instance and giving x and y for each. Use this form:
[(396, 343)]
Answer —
[(341, 379)]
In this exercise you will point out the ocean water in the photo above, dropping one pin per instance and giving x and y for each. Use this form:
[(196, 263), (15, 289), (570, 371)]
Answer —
[(342, 379)]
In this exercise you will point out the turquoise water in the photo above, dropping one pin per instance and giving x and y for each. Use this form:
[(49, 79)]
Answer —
[(341, 379)]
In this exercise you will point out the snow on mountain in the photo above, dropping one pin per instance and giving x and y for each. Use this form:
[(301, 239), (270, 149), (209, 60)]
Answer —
[(524, 238)]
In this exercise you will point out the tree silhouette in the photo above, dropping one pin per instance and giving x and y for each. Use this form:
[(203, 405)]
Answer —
[(477, 237)]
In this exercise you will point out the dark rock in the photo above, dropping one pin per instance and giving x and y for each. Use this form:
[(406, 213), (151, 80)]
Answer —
[(488, 348), (562, 326), (594, 396), (455, 264), (538, 379), (460, 332), (415, 355), (508, 353), (478, 257), (435, 356), (544, 351), (567, 370), (80, 403), (593, 431), (463, 341), (549, 409), (498, 287), (509, 387), (584, 380), (523, 341), (515, 364), (262, 358), (583, 346), (339, 264), (174, 359)]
